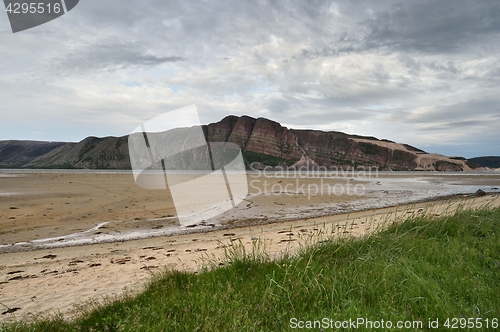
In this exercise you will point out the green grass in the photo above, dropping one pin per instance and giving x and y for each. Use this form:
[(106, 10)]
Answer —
[(420, 269), (267, 160)]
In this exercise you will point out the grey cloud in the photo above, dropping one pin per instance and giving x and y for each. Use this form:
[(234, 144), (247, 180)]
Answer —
[(454, 125), (413, 65), (312, 111), (466, 148), (278, 105), (448, 67), (435, 26), (110, 56), (361, 65), (464, 110), (432, 27)]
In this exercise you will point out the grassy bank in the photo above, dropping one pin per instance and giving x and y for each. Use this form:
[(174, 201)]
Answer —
[(424, 268)]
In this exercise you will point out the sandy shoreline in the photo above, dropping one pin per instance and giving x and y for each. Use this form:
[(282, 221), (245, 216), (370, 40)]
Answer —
[(62, 278)]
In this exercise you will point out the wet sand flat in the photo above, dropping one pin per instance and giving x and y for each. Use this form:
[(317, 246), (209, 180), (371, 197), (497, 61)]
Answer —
[(54, 205), (41, 210)]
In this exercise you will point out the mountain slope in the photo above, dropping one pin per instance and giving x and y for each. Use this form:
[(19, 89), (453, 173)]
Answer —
[(262, 141), (490, 161), (14, 154), (92, 153)]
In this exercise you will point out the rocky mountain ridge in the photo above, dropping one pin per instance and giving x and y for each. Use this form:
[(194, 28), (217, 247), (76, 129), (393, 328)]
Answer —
[(262, 141)]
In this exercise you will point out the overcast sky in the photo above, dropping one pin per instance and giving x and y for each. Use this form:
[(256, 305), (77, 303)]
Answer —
[(425, 73)]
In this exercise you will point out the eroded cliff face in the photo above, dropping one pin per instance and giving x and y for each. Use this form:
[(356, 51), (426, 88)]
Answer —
[(269, 143), (262, 141)]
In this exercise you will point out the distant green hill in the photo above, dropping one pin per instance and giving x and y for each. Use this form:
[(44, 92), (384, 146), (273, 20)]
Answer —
[(490, 161)]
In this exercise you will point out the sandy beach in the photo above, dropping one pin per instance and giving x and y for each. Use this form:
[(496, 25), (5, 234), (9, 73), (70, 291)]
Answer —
[(64, 210)]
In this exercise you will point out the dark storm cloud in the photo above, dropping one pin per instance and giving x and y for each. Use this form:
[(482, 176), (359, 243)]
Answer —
[(433, 27)]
